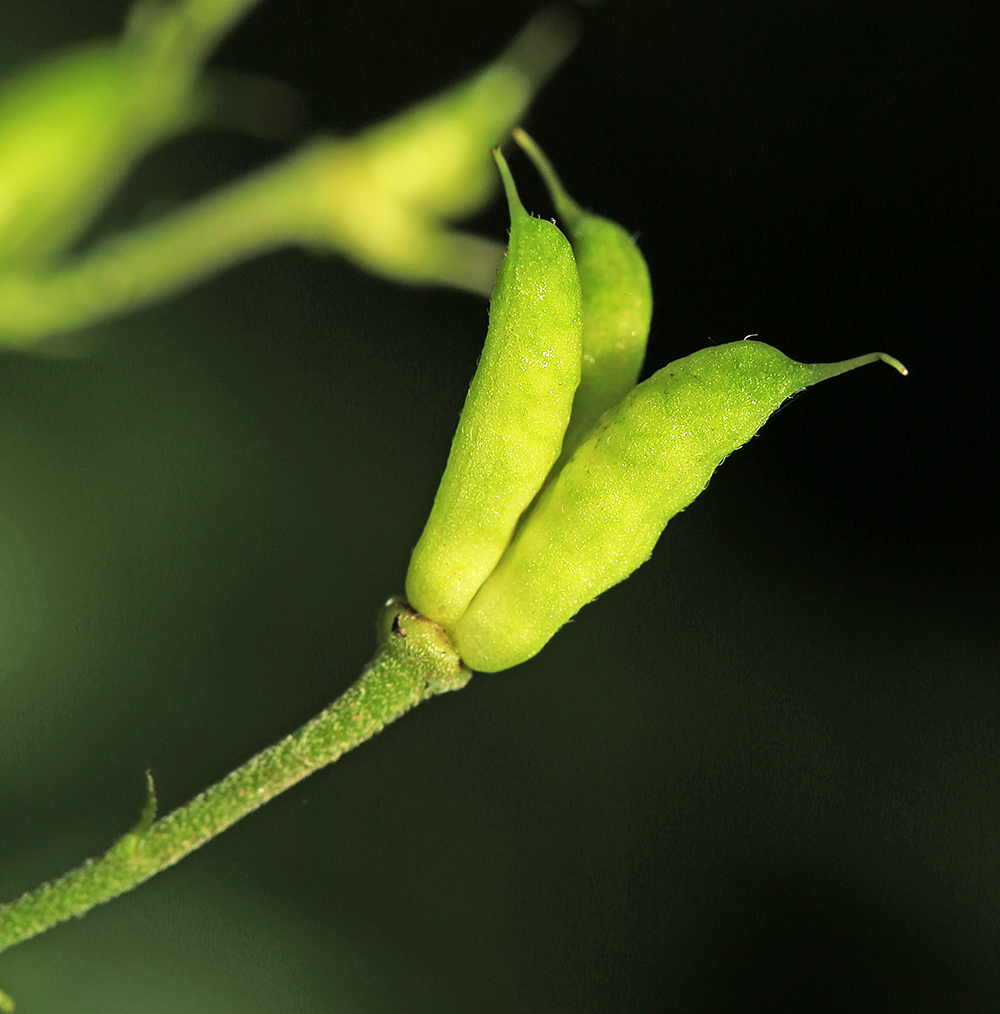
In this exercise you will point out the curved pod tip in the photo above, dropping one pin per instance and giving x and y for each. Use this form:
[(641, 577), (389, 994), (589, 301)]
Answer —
[(510, 189), (566, 207), (824, 371)]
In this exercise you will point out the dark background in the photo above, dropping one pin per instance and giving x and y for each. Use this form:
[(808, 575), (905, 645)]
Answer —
[(760, 775)]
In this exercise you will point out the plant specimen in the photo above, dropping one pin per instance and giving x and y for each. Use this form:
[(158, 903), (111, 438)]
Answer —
[(564, 469)]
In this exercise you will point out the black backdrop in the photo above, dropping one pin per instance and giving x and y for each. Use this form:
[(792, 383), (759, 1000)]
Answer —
[(761, 775)]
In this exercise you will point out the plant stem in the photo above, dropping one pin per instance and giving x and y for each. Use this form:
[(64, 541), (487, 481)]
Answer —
[(316, 197), (414, 661), (236, 222), (209, 20), (188, 30)]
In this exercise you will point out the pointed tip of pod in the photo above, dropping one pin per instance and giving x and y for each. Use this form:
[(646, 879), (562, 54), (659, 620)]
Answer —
[(893, 362), (517, 209), (824, 371), (565, 206)]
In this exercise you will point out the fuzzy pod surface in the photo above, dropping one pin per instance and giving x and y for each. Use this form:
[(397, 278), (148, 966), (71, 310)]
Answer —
[(511, 428), (617, 302), (644, 461)]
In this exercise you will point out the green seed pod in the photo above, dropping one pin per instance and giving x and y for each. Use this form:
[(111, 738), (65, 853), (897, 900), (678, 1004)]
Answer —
[(433, 156), (512, 425), (645, 460), (617, 303), (384, 197), (70, 128)]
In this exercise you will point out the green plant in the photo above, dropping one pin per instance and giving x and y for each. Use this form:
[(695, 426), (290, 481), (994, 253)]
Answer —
[(511, 429), (384, 198), (617, 303), (574, 525)]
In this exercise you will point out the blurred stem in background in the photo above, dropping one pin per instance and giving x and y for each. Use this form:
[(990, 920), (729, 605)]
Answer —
[(312, 198), (72, 128), (188, 29)]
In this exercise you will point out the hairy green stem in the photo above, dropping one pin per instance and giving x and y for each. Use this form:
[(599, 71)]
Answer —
[(414, 661)]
